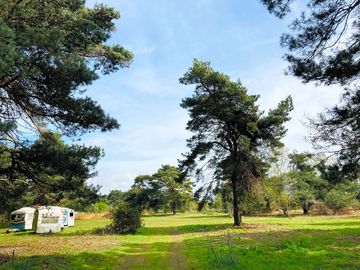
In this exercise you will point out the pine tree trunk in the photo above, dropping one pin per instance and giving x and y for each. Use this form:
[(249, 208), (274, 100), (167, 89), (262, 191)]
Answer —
[(174, 208), (305, 208), (268, 207), (237, 213)]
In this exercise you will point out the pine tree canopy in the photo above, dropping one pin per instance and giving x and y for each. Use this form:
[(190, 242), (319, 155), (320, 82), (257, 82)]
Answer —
[(50, 51), (231, 135)]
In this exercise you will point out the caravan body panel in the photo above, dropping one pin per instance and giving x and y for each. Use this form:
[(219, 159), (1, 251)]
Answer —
[(49, 220), (22, 219), (71, 219)]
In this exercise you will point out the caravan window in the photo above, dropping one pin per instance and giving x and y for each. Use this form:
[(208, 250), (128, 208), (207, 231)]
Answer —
[(50, 220), (17, 217), (71, 214)]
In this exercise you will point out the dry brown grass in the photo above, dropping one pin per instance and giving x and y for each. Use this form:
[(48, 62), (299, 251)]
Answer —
[(51, 244), (88, 216)]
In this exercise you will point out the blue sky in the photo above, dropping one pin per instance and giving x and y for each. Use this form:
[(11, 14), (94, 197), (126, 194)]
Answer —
[(239, 38)]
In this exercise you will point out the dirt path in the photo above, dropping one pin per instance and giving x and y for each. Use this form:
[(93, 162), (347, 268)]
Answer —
[(135, 259), (177, 255), (167, 255)]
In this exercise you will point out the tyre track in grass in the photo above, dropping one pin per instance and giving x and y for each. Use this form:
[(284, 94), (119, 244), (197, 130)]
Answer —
[(135, 258), (177, 256), (166, 253)]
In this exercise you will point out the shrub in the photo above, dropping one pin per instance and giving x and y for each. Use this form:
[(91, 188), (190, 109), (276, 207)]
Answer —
[(341, 196), (320, 208), (252, 204), (285, 203), (125, 219), (100, 207)]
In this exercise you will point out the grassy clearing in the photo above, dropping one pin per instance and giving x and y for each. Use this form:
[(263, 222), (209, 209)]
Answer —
[(194, 241)]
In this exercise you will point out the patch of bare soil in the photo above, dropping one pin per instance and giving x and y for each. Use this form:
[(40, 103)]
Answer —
[(177, 256), (135, 257)]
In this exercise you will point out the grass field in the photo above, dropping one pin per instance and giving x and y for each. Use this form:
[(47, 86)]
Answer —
[(193, 241)]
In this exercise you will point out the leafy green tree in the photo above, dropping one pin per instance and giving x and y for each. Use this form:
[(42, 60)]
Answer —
[(165, 189), (49, 52), (324, 48), (50, 170), (115, 197), (146, 193), (334, 172), (342, 195), (99, 207), (231, 135), (217, 202), (340, 183), (340, 127), (273, 190), (79, 199), (304, 182), (177, 190)]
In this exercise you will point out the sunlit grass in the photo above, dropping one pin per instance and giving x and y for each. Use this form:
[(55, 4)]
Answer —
[(194, 241)]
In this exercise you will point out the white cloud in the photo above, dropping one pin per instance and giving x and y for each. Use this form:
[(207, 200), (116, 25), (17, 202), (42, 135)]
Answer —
[(143, 50)]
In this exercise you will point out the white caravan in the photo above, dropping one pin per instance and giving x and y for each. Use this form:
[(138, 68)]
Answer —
[(22, 219), (69, 217), (48, 219), (63, 217)]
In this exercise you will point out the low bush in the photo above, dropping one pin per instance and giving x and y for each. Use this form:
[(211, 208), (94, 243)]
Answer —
[(341, 196), (126, 219), (320, 208)]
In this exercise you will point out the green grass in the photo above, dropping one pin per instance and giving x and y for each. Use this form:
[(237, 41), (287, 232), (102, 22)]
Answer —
[(193, 241)]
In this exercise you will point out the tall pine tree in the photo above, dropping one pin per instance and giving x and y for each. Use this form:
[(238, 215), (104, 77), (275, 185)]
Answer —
[(231, 137)]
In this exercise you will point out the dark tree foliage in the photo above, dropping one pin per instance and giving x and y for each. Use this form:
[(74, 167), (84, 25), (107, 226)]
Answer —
[(324, 47), (232, 137), (325, 41), (177, 191), (304, 183), (335, 172), (115, 197), (126, 219), (146, 193), (49, 52), (278, 7), (165, 189), (49, 171), (340, 127)]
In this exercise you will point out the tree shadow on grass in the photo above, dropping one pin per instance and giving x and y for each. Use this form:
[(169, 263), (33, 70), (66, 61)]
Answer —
[(288, 249), (128, 256), (158, 215), (177, 230), (207, 216), (350, 223), (295, 249), (85, 260)]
